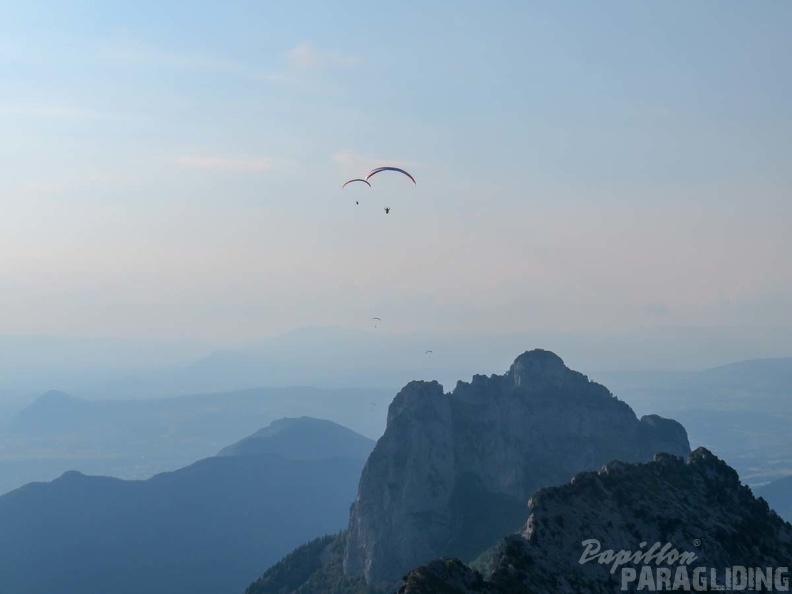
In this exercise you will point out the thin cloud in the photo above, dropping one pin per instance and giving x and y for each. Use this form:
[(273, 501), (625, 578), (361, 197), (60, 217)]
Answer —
[(134, 53), (178, 61), (36, 110), (36, 188), (299, 59), (305, 56), (18, 52), (275, 78), (303, 59), (68, 184), (656, 309), (225, 163), (101, 177), (351, 160)]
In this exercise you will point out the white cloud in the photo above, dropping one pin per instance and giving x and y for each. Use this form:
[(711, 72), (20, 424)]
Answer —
[(305, 56), (225, 163)]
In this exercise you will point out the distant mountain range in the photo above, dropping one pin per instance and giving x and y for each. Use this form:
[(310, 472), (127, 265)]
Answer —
[(341, 357), (138, 438), (750, 399), (779, 495), (208, 528), (32, 364), (742, 411)]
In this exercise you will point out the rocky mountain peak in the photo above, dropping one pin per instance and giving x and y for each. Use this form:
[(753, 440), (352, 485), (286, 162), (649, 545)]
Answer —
[(417, 398), (453, 472), (540, 368)]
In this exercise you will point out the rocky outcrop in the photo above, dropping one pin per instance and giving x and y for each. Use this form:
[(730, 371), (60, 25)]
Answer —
[(314, 568), (453, 472), (696, 507)]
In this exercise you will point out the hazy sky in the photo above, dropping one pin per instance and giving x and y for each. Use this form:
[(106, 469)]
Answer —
[(173, 169)]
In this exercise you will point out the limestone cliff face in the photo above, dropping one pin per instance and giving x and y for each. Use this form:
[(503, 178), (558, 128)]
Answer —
[(697, 506), (453, 472)]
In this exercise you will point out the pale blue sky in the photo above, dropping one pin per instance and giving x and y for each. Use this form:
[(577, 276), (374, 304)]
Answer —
[(174, 171)]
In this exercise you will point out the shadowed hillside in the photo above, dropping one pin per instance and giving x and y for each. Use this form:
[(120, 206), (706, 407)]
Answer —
[(206, 528)]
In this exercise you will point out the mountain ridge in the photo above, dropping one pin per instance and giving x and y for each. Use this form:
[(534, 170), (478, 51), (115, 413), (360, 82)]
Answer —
[(203, 528), (454, 471), (697, 505)]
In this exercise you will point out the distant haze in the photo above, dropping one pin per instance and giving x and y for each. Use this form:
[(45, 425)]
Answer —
[(172, 174), (338, 357)]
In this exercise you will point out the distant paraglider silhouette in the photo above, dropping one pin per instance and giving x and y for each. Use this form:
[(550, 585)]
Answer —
[(376, 321), (357, 179)]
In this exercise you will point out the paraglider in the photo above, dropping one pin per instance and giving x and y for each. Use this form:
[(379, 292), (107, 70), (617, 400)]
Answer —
[(375, 320), (396, 169), (374, 172), (357, 179), (428, 353)]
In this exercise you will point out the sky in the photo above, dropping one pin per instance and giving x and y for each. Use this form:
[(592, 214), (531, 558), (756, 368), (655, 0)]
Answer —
[(173, 170)]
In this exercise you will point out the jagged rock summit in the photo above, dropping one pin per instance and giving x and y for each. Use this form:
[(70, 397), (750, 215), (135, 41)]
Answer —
[(538, 368), (696, 507), (454, 471)]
